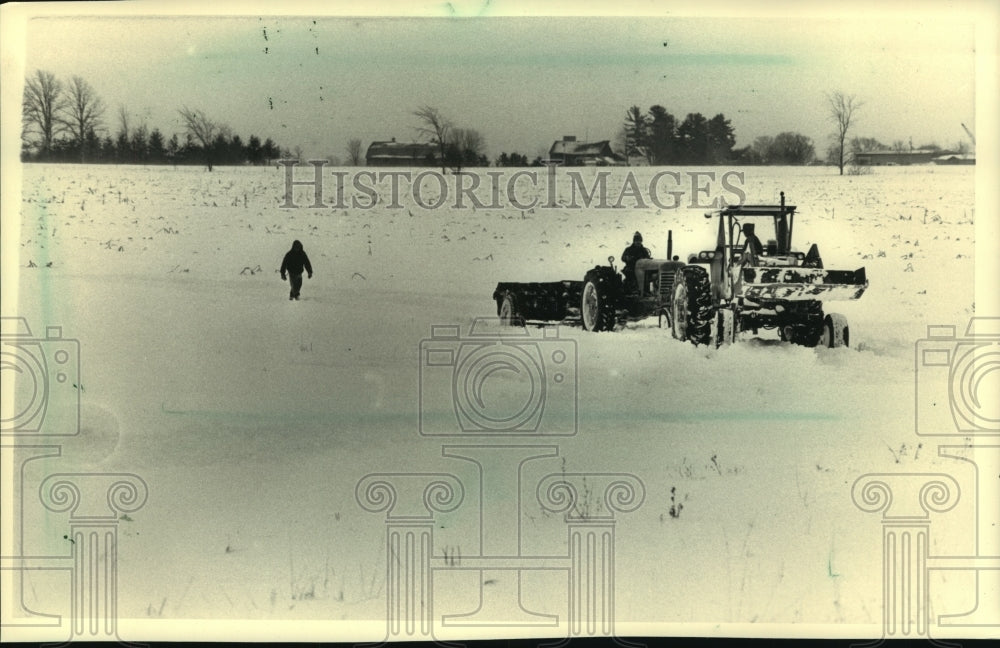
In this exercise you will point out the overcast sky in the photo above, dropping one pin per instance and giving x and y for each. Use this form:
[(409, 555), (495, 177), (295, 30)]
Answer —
[(316, 82)]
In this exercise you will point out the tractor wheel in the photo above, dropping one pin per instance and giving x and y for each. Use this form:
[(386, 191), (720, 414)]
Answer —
[(509, 314), (663, 319), (835, 333), (724, 327), (597, 308), (691, 306)]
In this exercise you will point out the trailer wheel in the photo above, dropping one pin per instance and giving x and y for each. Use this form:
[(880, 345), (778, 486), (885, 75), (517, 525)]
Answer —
[(597, 306), (509, 314), (835, 333), (692, 306)]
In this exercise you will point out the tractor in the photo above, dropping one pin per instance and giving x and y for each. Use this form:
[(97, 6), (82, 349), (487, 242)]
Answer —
[(712, 296), (604, 299), (734, 288)]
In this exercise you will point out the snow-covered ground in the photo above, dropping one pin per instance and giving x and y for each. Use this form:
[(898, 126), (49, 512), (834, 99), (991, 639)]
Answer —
[(252, 419)]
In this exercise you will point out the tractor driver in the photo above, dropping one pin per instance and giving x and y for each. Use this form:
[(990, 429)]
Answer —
[(752, 249), (632, 254)]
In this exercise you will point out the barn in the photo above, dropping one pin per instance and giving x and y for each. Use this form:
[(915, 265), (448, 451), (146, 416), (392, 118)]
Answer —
[(401, 154)]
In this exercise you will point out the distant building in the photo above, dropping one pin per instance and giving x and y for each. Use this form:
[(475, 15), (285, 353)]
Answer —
[(570, 152), (393, 153), (956, 158), (890, 158)]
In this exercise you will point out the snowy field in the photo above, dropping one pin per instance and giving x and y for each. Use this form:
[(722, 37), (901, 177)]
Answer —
[(252, 419)]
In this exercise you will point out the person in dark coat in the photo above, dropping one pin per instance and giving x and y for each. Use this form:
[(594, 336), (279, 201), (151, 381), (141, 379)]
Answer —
[(293, 264), (752, 249), (632, 254)]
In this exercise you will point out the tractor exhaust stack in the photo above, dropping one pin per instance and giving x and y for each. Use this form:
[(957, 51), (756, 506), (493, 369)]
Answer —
[(670, 244)]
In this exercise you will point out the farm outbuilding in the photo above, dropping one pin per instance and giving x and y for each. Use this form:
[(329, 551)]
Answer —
[(570, 152), (956, 158), (393, 153), (890, 158)]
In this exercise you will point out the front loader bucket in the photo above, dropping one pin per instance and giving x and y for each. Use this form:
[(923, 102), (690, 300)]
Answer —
[(801, 284)]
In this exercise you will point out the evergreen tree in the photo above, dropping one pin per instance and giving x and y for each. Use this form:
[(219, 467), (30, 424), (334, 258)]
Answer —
[(661, 142), (270, 151), (123, 152), (92, 146), (156, 149), (237, 152), (108, 150), (721, 140), (254, 152), (692, 136), (173, 149)]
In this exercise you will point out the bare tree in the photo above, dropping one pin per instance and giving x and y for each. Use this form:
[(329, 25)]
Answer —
[(354, 152), (436, 128), (842, 108), (622, 144), (82, 112), (202, 129), (454, 152), (123, 145), (465, 148), (635, 134), (123, 122), (41, 108), (470, 141)]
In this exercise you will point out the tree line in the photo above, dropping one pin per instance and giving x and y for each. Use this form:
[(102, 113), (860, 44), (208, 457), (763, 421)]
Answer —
[(784, 148), (660, 138), (65, 122)]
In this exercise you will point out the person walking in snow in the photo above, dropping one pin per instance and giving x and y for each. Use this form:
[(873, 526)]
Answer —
[(296, 260)]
